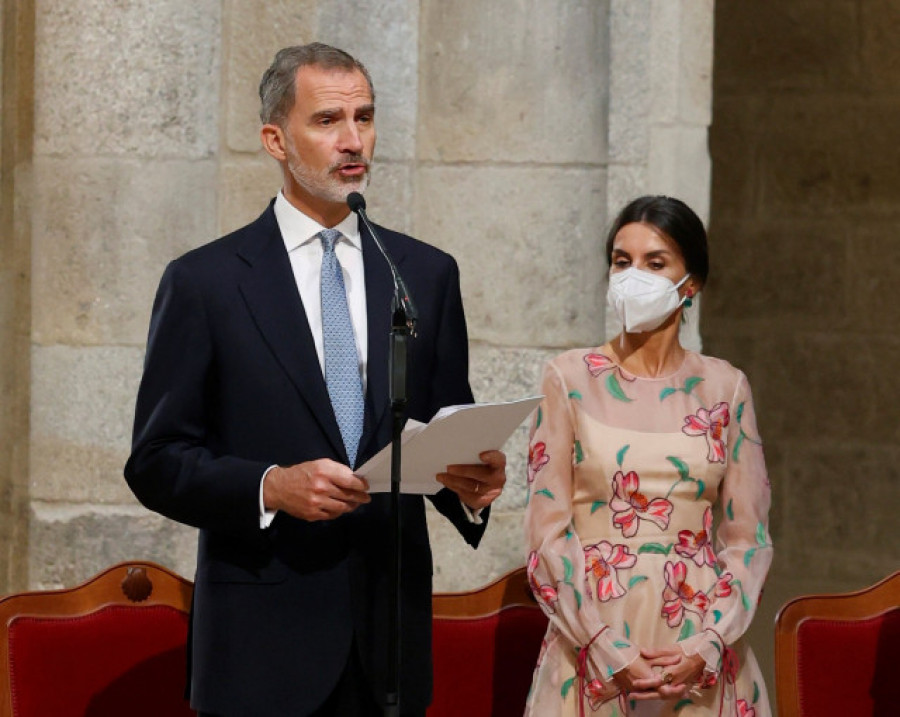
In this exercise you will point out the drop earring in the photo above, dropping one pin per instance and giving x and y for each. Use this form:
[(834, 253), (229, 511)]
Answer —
[(688, 298)]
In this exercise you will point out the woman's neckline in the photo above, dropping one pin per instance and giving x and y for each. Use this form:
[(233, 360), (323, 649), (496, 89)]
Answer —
[(607, 351)]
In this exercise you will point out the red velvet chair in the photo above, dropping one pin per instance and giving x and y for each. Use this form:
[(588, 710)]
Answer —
[(839, 654), (112, 646), (485, 647)]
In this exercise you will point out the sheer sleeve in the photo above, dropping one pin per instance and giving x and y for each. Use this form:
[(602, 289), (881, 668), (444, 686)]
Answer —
[(556, 561), (743, 544)]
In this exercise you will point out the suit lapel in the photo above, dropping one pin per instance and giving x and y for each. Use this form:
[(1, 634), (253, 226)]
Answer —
[(272, 298)]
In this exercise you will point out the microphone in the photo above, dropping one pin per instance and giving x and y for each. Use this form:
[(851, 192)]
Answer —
[(402, 299)]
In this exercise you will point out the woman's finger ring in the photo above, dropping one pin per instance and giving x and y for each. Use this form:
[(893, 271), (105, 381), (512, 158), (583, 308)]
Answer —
[(666, 677)]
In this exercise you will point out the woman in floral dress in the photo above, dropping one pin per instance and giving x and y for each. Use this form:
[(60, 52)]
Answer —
[(635, 447)]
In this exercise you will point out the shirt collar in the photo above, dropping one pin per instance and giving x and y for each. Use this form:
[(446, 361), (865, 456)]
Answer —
[(298, 229)]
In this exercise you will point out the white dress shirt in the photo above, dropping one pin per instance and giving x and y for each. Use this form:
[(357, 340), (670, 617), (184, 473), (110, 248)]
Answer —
[(304, 248)]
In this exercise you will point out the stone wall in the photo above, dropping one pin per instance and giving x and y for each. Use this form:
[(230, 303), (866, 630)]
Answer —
[(508, 131), (804, 231)]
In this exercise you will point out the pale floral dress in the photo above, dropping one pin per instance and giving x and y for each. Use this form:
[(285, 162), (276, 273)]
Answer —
[(624, 476)]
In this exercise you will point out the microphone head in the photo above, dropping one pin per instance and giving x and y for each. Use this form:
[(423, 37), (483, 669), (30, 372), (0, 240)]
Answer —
[(356, 201)]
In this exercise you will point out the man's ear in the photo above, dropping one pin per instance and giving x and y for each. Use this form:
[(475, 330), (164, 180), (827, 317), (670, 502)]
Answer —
[(273, 141)]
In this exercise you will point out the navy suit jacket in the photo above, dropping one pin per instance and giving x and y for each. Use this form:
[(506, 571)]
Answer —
[(232, 385)]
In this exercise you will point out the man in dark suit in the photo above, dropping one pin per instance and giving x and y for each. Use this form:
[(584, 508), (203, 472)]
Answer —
[(246, 429)]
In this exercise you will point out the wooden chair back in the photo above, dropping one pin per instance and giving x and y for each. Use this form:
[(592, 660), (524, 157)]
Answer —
[(839, 654), (113, 646), (485, 647)]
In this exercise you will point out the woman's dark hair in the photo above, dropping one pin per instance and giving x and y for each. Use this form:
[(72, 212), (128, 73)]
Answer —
[(673, 218)]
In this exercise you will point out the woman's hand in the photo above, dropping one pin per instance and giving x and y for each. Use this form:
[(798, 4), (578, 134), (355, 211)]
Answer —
[(678, 674), (631, 677)]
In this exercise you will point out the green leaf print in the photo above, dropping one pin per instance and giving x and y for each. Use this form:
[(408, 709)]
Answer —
[(717, 615), (681, 705), (612, 385), (540, 417), (745, 601), (568, 570), (737, 447), (544, 491), (621, 644), (655, 548), (637, 579), (578, 599), (666, 392), (755, 692), (620, 456), (579, 454), (740, 411), (679, 464), (566, 686), (729, 510), (575, 394), (687, 629), (627, 631), (691, 383), (596, 505), (700, 488), (760, 534), (748, 556)]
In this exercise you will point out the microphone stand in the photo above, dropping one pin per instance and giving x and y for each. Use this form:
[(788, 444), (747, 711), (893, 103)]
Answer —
[(399, 351), (403, 325)]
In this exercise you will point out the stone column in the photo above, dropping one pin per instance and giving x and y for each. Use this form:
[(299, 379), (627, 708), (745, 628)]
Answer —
[(537, 121), (124, 179), (16, 101)]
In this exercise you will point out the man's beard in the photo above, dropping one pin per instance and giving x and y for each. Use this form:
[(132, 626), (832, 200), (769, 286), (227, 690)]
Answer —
[(328, 185)]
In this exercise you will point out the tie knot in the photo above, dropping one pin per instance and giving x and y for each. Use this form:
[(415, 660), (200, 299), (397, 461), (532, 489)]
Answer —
[(329, 237)]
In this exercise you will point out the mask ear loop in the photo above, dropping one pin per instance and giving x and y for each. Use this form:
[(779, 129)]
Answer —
[(687, 299)]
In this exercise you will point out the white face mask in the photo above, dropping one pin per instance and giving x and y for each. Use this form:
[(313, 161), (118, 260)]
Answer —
[(642, 300)]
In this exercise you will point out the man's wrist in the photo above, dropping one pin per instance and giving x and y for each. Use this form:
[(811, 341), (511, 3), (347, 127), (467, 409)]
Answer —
[(267, 496)]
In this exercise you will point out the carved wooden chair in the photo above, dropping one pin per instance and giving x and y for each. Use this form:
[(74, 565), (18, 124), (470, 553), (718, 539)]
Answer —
[(839, 654), (112, 646), (485, 647)]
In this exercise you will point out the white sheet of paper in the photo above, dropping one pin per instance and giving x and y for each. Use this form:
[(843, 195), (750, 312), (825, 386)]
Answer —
[(456, 435)]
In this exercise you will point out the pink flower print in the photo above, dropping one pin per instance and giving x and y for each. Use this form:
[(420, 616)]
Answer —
[(710, 424), (698, 546), (594, 691), (745, 709), (630, 506), (602, 560), (545, 594), (678, 596), (723, 585), (598, 364), (537, 459)]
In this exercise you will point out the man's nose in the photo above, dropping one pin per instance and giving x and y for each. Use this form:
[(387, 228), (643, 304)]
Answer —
[(350, 139)]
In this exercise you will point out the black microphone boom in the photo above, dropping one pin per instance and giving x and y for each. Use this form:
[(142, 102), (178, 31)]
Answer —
[(402, 298), (403, 325)]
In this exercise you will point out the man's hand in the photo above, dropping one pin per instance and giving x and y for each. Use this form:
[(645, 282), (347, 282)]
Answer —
[(315, 490), (477, 485)]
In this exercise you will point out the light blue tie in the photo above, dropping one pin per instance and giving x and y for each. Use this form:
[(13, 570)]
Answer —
[(341, 358)]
